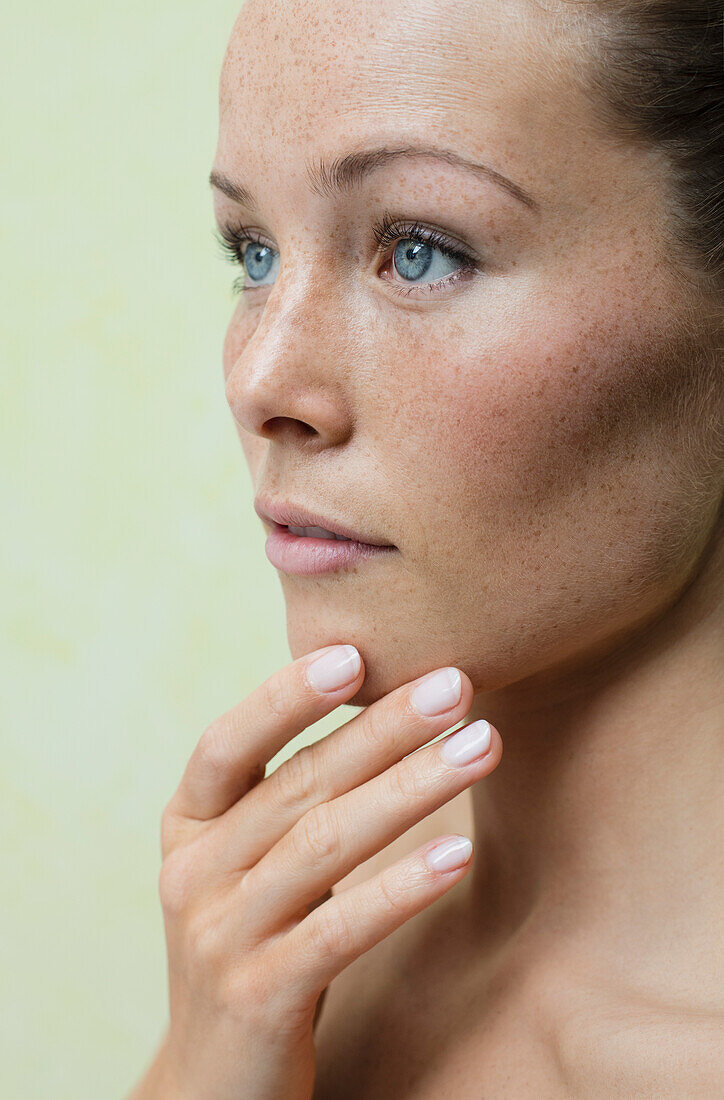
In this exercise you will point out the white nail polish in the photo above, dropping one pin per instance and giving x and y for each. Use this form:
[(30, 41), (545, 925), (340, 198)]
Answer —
[(334, 669), (438, 692), (449, 854), (468, 744)]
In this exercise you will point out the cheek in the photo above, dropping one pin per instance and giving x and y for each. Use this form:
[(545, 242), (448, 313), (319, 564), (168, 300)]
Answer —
[(503, 428), (548, 475), (561, 408)]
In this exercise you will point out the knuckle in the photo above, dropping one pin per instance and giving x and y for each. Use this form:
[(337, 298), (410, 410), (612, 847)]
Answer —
[(393, 896), (315, 836), (377, 731), (213, 750), (205, 943), (406, 781), (297, 779), (250, 885), (330, 932), (278, 697), (175, 883)]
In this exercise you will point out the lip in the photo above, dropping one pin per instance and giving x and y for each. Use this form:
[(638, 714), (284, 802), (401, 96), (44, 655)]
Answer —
[(285, 514), (303, 556), (306, 555)]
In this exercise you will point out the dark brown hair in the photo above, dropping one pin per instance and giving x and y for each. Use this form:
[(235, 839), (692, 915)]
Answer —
[(655, 72)]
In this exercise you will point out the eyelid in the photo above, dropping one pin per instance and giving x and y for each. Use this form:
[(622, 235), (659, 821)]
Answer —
[(389, 230), (232, 237)]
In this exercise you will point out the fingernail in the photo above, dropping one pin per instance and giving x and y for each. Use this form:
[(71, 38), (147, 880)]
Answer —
[(334, 669), (449, 854), (438, 692), (467, 744)]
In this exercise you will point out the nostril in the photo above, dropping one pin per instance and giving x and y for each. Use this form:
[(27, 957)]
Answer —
[(286, 427)]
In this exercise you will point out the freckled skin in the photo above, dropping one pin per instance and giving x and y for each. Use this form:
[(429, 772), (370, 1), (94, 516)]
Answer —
[(534, 435), (540, 441)]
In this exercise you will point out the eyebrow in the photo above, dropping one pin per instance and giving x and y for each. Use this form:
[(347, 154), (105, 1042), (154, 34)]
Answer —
[(333, 177)]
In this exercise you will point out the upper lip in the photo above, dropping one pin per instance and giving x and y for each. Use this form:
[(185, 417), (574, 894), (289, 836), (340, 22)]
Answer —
[(287, 514)]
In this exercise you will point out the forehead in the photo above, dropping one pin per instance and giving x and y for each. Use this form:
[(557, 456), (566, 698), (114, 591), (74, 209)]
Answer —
[(321, 76)]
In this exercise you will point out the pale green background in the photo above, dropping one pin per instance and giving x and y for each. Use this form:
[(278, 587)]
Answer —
[(138, 601)]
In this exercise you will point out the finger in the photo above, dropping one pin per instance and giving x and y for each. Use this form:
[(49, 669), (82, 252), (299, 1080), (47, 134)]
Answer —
[(234, 750), (334, 837), (350, 923), (369, 743)]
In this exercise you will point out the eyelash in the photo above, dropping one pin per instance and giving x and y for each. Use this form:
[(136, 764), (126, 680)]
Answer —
[(387, 231)]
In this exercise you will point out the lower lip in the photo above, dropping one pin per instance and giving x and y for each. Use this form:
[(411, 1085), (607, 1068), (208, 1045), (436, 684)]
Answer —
[(304, 555)]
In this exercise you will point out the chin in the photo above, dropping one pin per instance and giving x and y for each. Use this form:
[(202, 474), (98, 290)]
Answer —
[(370, 692)]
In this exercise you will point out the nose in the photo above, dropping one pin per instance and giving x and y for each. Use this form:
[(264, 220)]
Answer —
[(286, 382)]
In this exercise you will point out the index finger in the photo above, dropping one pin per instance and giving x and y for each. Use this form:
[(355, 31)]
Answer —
[(232, 753)]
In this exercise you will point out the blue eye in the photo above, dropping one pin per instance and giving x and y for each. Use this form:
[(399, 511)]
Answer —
[(413, 259), (420, 253), (414, 256), (257, 261)]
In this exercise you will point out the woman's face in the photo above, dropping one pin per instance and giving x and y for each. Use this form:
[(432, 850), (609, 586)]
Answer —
[(509, 422)]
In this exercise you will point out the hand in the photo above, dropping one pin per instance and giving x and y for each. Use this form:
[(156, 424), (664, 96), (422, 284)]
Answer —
[(254, 935)]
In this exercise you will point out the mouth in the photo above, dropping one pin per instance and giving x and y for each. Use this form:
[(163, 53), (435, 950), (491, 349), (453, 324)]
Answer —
[(314, 533), (303, 543), (305, 524)]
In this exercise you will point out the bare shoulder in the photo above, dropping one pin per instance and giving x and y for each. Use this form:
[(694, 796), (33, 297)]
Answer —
[(640, 1047), (454, 817)]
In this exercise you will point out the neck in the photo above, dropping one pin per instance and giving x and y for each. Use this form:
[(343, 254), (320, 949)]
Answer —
[(605, 810)]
